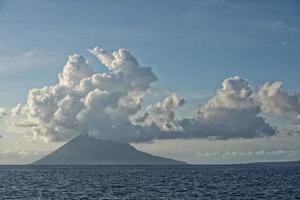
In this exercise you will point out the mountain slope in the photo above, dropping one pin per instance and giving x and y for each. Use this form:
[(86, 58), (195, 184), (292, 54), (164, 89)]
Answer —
[(84, 150)]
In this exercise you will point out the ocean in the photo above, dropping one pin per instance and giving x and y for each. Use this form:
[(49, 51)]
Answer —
[(150, 182)]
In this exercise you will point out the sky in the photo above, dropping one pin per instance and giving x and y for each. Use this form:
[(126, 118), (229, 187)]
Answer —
[(192, 47)]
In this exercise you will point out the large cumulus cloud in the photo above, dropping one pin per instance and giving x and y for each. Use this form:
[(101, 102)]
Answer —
[(230, 113), (87, 102), (110, 105), (234, 111)]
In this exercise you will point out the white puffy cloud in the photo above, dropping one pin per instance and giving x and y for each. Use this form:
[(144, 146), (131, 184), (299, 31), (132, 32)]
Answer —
[(110, 105), (233, 113), (86, 102), (234, 94), (127, 73), (273, 99), (230, 113), (162, 114), (74, 71)]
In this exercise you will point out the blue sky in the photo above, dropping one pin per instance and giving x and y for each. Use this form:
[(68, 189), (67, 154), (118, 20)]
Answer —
[(192, 46)]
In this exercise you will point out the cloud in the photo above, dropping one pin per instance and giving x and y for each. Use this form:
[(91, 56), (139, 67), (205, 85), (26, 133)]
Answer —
[(14, 154), (86, 102), (3, 113), (234, 113), (74, 71), (14, 60), (23, 153), (110, 105), (273, 99), (258, 153), (230, 113), (5, 153), (162, 114)]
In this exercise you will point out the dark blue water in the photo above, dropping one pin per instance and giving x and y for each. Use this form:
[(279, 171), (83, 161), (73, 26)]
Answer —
[(150, 182)]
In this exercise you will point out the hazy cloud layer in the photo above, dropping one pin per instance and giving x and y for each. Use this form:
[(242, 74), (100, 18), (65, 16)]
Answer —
[(15, 60), (3, 113), (110, 105)]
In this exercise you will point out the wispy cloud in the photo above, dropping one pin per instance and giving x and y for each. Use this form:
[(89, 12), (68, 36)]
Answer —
[(16, 60), (258, 153)]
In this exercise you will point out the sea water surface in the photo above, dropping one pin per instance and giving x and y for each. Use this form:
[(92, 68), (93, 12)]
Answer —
[(150, 182)]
